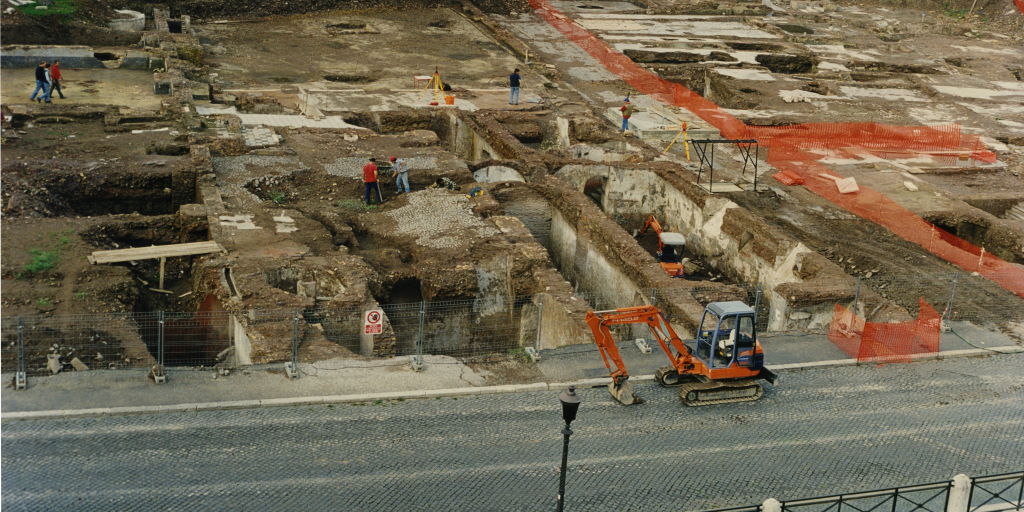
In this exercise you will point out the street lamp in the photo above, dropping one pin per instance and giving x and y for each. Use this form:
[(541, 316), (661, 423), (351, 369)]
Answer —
[(570, 404)]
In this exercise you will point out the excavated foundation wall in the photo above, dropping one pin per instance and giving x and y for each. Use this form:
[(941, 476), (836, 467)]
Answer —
[(801, 286), (609, 266)]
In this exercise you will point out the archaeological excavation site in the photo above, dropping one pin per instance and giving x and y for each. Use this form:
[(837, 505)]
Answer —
[(194, 198)]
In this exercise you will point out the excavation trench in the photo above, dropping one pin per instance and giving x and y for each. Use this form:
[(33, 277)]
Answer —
[(195, 328), (724, 237)]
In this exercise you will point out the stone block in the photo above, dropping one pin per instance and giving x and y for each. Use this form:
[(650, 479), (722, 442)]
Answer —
[(53, 363), (135, 59)]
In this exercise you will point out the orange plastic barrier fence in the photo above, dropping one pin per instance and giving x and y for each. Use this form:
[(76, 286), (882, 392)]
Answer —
[(795, 151), (888, 342), (1020, 5)]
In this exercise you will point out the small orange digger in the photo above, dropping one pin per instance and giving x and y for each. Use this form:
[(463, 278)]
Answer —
[(670, 247), (722, 365)]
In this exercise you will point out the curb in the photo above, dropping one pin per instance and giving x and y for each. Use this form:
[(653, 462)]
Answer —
[(448, 392)]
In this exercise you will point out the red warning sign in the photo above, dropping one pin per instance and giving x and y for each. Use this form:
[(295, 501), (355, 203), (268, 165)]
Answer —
[(373, 322)]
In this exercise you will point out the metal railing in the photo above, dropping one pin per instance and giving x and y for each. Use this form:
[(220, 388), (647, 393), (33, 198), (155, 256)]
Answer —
[(933, 497), (992, 493), (996, 493)]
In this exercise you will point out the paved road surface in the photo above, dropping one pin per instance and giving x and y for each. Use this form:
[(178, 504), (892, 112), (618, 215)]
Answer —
[(820, 432)]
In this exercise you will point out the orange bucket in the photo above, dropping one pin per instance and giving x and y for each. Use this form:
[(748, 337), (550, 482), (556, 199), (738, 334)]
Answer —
[(449, 100)]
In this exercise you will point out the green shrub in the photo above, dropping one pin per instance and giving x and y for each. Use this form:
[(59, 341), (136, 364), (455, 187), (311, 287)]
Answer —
[(41, 261)]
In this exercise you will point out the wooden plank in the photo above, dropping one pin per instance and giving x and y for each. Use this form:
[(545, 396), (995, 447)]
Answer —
[(155, 251)]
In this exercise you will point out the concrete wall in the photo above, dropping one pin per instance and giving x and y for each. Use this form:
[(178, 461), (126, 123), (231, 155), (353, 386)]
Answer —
[(579, 260), (239, 340), (466, 143), (560, 323), (724, 235), (29, 56)]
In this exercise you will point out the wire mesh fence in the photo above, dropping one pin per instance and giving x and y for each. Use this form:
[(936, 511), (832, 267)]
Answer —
[(496, 327)]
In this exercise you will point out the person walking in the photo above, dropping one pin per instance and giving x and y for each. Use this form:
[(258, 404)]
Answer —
[(513, 87), (56, 78), (627, 110), (401, 170), (41, 83), (370, 181), (49, 85)]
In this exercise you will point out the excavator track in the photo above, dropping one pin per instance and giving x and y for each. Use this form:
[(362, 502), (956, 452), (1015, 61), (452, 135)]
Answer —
[(667, 376), (720, 392)]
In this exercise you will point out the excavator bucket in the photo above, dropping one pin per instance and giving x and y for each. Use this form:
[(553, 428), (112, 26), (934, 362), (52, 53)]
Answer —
[(623, 393)]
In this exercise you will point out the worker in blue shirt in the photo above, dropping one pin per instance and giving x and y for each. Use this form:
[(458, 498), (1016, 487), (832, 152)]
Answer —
[(513, 87)]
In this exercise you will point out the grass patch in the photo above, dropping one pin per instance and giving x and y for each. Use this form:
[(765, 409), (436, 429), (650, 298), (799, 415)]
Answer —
[(958, 14), (279, 197), (81, 295), (520, 354), (44, 302), (62, 8), (41, 261)]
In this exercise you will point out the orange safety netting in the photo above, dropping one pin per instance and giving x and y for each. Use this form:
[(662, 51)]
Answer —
[(892, 342), (1020, 5), (796, 150)]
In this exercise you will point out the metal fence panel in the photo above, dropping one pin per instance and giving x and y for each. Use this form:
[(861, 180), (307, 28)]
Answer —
[(996, 493)]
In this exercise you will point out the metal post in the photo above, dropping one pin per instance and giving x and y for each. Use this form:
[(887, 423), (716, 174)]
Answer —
[(160, 340), (20, 381), (948, 313), (654, 296), (856, 296), (157, 372), (417, 359), (566, 432), (291, 368), (757, 305), (540, 322), (711, 171), (757, 155)]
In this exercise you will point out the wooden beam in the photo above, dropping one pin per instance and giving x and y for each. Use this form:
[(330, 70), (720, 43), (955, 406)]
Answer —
[(155, 251)]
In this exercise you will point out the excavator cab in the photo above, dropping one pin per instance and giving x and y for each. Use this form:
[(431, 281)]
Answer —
[(727, 336), (670, 247)]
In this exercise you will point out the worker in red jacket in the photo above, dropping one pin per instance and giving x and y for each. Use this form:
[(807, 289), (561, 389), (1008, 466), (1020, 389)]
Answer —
[(56, 77), (627, 111), (370, 181)]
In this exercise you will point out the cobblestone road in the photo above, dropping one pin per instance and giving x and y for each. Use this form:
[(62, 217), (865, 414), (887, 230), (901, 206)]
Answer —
[(820, 432)]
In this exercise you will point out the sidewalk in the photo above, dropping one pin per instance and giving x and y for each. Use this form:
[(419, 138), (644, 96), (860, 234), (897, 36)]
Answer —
[(336, 381)]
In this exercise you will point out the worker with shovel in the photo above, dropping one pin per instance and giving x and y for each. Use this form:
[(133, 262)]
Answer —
[(370, 181)]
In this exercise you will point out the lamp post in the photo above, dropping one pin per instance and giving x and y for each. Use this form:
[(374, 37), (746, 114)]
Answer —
[(570, 404)]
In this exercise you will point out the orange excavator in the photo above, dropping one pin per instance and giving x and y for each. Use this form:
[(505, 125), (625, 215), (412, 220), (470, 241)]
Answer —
[(724, 364), (670, 247)]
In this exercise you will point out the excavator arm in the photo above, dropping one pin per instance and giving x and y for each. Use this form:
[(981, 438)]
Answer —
[(652, 222), (600, 321)]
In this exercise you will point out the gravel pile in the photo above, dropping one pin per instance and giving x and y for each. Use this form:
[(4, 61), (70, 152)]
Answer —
[(440, 219)]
